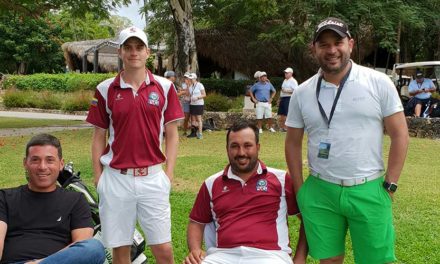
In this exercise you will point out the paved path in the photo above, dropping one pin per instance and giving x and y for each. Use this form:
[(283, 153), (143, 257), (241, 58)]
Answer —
[(34, 130), (35, 115)]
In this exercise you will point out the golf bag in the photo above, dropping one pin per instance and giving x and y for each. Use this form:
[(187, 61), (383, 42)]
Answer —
[(70, 180)]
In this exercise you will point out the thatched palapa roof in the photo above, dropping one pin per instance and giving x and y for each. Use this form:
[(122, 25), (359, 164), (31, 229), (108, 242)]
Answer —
[(108, 54)]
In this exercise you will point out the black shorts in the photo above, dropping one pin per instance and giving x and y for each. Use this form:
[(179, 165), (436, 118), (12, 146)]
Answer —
[(283, 108), (196, 109)]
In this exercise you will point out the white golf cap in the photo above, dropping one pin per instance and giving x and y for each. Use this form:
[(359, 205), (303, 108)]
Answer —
[(187, 74), (257, 74), (192, 76), (288, 70), (132, 32), (263, 74)]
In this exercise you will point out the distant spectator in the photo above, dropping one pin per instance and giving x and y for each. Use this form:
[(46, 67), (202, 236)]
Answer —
[(421, 89), (185, 99), (287, 88), (196, 107), (262, 93)]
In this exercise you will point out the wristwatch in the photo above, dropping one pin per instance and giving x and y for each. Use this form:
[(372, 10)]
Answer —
[(390, 186)]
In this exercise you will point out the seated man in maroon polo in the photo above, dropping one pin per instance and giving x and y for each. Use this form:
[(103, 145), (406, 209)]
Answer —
[(248, 203)]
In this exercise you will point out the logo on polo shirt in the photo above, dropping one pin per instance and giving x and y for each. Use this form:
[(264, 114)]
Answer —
[(261, 185), (119, 97), (153, 99), (225, 189)]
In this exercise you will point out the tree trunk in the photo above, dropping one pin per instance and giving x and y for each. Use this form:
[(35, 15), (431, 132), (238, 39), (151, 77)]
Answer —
[(185, 48), (399, 32)]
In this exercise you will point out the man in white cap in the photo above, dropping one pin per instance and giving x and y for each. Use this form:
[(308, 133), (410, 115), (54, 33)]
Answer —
[(135, 109), (344, 109), (287, 88), (421, 88), (262, 94)]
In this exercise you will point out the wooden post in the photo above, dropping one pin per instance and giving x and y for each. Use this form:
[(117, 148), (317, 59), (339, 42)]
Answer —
[(84, 63), (96, 61)]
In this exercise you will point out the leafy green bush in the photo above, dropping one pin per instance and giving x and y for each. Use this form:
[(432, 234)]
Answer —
[(233, 88), (217, 103), (78, 101), (56, 82), (237, 104)]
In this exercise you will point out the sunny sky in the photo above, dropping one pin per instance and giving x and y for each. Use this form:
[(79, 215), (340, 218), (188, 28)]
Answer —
[(132, 12)]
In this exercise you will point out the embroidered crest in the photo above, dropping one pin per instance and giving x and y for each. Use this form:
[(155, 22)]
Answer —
[(261, 185), (119, 97), (225, 189), (153, 99)]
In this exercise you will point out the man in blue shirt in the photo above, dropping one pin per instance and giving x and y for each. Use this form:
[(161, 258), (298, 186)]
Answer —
[(421, 89), (262, 94)]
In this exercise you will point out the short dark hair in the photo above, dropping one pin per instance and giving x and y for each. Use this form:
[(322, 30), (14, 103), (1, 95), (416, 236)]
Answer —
[(44, 140), (240, 125)]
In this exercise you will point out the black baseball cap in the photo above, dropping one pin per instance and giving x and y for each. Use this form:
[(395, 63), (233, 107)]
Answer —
[(332, 23)]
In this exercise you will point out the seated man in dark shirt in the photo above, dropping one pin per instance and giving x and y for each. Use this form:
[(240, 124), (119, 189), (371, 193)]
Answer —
[(41, 222)]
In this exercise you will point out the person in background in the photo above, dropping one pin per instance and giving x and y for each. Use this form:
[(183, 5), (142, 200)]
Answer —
[(182, 93), (196, 107), (262, 93), (289, 85), (344, 109), (421, 88)]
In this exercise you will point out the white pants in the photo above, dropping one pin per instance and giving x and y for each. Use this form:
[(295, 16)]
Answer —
[(263, 110), (125, 198), (246, 255)]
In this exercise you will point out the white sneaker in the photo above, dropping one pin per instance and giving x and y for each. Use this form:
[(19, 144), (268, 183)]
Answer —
[(260, 130), (272, 130)]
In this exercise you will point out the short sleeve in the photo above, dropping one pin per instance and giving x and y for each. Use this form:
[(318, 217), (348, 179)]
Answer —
[(174, 110), (272, 88), (98, 115), (390, 102), (81, 215), (201, 211), (412, 86), (294, 118)]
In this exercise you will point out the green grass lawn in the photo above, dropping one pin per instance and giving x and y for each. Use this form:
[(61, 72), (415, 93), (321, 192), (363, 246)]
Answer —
[(416, 203), (10, 122)]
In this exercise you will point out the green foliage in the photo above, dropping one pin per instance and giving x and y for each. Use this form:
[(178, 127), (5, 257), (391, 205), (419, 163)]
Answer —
[(56, 82), (225, 87), (217, 103), (78, 101), (29, 45)]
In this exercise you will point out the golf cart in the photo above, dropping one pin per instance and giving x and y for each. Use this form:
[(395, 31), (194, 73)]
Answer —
[(404, 73)]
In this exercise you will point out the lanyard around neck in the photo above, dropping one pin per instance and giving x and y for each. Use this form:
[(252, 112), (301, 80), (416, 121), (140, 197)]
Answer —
[(335, 101)]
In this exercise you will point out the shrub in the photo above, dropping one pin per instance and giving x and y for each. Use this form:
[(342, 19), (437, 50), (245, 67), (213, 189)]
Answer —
[(233, 88), (217, 103), (237, 104), (47, 100), (15, 99), (56, 82), (78, 101)]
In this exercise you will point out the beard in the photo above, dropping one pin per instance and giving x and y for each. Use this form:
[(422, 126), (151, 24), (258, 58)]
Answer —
[(334, 69), (240, 169)]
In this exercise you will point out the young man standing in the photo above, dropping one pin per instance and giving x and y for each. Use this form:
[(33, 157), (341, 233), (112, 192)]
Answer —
[(344, 109), (136, 108)]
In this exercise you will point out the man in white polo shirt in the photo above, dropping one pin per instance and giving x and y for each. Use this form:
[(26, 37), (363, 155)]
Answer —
[(136, 108), (343, 109), (289, 85), (248, 204)]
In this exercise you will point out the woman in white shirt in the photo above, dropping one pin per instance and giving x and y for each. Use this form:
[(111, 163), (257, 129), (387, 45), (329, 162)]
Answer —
[(196, 107)]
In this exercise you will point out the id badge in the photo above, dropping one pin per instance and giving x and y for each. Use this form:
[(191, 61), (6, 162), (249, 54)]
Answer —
[(324, 149)]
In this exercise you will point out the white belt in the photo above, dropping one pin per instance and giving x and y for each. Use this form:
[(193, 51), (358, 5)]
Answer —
[(140, 171), (346, 182)]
